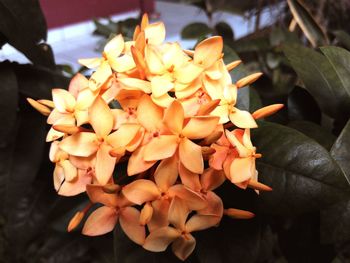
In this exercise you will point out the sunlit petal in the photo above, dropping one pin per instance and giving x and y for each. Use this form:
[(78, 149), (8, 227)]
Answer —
[(191, 156), (80, 144), (104, 164), (174, 117), (200, 127), (208, 51), (129, 221), (137, 164), (101, 221), (160, 148), (141, 191), (64, 101), (159, 239), (184, 246), (242, 119), (101, 117), (166, 173)]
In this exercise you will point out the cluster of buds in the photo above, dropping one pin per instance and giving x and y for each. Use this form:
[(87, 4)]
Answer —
[(176, 129)]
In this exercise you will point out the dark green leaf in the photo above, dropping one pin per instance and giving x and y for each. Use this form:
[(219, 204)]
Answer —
[(254, 100), (314, 131), (280, 36), (307, 23), (223, 29), (302, 106), (303, 175), (320, 79), (195, 30), (343, 38)]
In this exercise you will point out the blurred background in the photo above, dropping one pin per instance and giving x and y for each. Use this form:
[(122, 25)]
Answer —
[(41, 42)]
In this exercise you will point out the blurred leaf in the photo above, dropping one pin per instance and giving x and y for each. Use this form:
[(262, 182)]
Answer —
[(246, 45), (307, 23), (321, 80), (335, 220), (236, 74), (223, 29), (195, 30), (314, 131), (24, 27), (343, 38), (254, 100), (302, 106), (279, 36), (105, 29), (303, 175), (8, 101)]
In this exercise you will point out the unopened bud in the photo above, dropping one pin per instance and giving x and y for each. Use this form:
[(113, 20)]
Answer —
[(238, 213), (248, 80), (259, 186), (146, 214), (233, 64), (75, 221), (213, 137), (267, 111), (44, 110)]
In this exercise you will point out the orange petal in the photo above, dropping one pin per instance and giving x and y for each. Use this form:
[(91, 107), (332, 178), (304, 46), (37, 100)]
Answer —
[(75, 221), (193, 200), (137, 164), (144, 21), (129, 222), (64, 101), (124, 135), (101, 221), (188, 73), (154, 61), (141, 191), (80, 144), (155, 33), (97, 194), (101, 117), (160, 148), (70, 172), (149, 114), (207, 108), (200, 127), (208, 51), (189, 179), (146, 214), (201, 222), (85, 98), (174, 117), (184, 246), (122, 64), (235, 141), (242, 169), (230, 66), (139, 61), (242, 119), (214, 207), (54, 134), (160, 214), (135, 84), (161, 85), (163, 101), (212, 179), (105, 164), (217, 159), (44, 110), (115, 46), (178, 212), (58, 177), (166, 173), (78, 83), (159, 239), (83, 163), (100, 76), (91, 63), (191, 156), (77, 186)]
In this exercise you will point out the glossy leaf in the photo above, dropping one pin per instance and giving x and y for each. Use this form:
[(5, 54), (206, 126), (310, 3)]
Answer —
[(307, 23), (320, 79), (302, 174), (343, 38), (195, 30)]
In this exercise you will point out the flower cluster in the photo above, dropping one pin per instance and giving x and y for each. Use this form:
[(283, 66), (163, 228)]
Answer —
[(176, 130)]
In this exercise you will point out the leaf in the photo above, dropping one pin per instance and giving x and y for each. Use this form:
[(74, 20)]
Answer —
[(303, 175), (302, 106), (343, 38), (314, 131), (8, 101), (236, 74), (320, 79), (195, 30), (24, 27), (307, 23), (223, 29)]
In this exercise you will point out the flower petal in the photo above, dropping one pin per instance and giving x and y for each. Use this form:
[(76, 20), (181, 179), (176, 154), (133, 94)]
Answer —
[(101, 117), (189, 179), (161, 85), (241, 169), (212, 179), (193, 200), (217, 159), (199, 127), (135, 84), (215, 206), (101, 221), (98, 195), (155, 33), (163, 101), (208, 51), (80, 144), (58, 177), (122, 63), (166, 173), (188, 73), (159, 239), (137, 164), (178, 213), (129, 222), (64, 101), (174, 117), (105, 164), (124, 135), (242, 119), (191, 156), (100, 76), (70, 172), (115, 46), (160, 148), (90, 63), (153, 60), (149, 114), (77, 186), (78, 82), (160, 214), (201, 222), (141, 191), (184, 246)]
